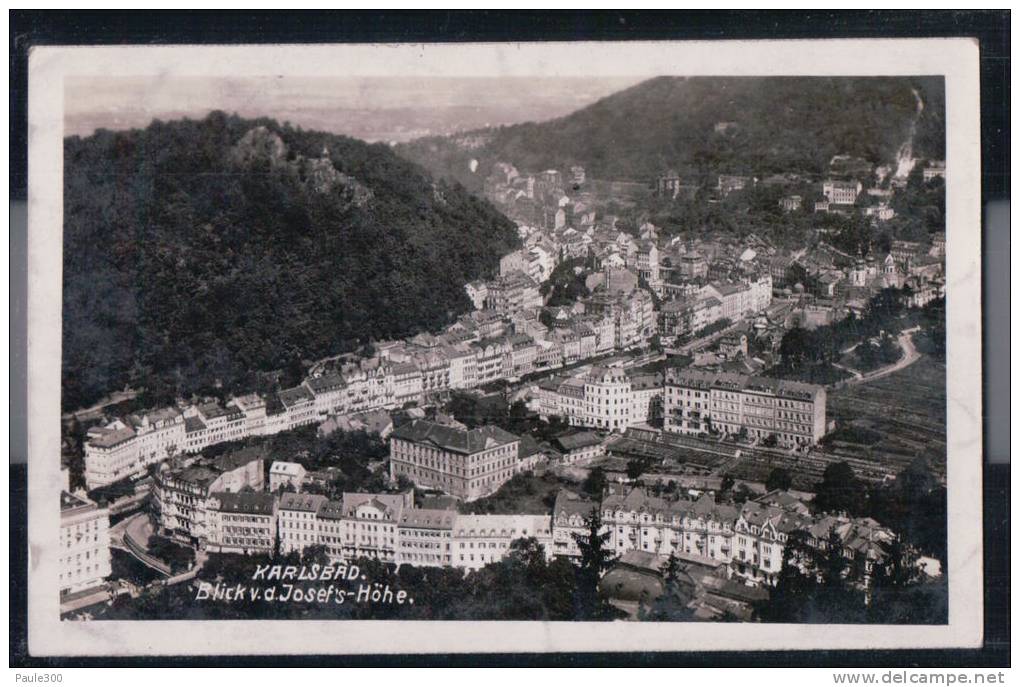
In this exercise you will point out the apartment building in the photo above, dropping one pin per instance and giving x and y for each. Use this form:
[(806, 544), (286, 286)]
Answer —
[(368, 524), (478, 540), (637, 521), (243, 522), (84, 544), (425, 536), (328, 392), (703, 402), (297, 517)]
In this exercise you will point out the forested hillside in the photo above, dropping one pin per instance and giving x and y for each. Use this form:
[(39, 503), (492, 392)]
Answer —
[(766, 126), (202, 255)]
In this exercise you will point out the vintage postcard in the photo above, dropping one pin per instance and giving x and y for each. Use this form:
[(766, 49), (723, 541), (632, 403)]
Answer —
[(504, 347)]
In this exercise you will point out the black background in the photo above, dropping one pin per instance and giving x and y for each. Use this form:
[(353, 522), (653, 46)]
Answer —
[(990, 28)]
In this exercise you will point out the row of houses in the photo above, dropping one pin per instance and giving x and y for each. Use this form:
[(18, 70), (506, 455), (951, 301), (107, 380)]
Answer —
[(475, 351), (750, 540)]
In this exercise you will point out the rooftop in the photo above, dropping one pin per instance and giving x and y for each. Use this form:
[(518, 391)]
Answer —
[(309, 503), (453, 439), (252, 503)]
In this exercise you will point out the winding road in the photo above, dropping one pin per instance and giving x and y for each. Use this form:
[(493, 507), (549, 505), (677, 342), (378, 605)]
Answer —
[(909, 357)]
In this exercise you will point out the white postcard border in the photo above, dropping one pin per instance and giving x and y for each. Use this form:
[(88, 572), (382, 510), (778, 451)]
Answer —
[(956, 59)]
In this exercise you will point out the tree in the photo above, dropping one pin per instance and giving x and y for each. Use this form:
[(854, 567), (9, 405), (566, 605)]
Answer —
[(778, 479), (636, 468), (836, 599), (595, 483), (727, 482), (793, 586), (672, 604), (840, 491), (798, 347), (596, 559)]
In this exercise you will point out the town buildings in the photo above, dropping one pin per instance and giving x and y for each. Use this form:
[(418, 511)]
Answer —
[(181, 493), (511, 293), (242, 522), (84, 544), (468, 464), (425, 536), (368, 524), (703, 403)]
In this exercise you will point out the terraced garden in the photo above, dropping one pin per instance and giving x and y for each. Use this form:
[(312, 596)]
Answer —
[(905, 411), (884, 425)]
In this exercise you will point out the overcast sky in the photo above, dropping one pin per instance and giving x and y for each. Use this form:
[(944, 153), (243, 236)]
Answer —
[(388, 108)]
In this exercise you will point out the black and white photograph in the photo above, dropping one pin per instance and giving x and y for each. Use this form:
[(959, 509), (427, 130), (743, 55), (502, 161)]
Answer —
[(423, 337)]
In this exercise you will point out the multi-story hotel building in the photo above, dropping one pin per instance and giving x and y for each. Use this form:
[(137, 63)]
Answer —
[(84, 544), (297, 517), (468, 464), (482, 539), (841, 192), (242, 523), (646, 523), (424, 537), (328, 390), (368, 524), (703, 402), (111, 454), (125, 447), (605, 398), (210, 423)]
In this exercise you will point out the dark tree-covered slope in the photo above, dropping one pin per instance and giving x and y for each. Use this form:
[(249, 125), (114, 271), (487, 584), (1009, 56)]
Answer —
[(200, 254), (771, 125)]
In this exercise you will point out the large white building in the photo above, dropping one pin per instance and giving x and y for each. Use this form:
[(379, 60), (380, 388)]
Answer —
[(123, 448), (297, 517), (703, 402), (841, 192), (84, 542), (478, 540), (605, 398)]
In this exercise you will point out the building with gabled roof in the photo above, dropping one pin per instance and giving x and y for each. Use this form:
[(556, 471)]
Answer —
[(282, 473)]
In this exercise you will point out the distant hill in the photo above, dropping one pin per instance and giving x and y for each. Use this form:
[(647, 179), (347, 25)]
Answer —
[(199, 254), (708, 125)]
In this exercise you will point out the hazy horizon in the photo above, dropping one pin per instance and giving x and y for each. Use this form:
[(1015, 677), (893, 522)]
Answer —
[(391, 109)]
